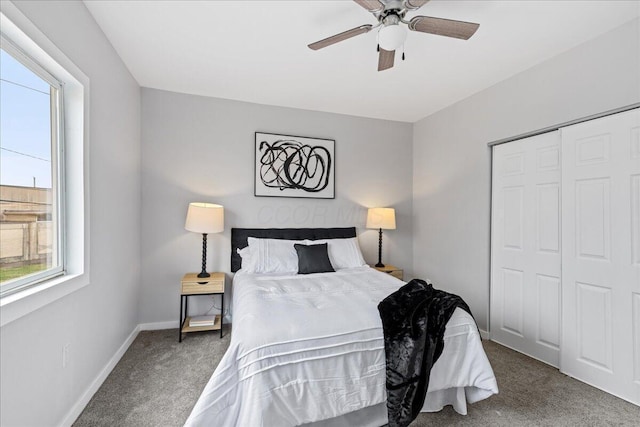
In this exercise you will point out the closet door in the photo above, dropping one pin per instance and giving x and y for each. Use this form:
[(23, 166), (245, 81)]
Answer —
[(525, 246), (601, 253)]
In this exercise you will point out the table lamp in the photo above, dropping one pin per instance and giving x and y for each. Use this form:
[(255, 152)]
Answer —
[(381, 218), (204, 218)]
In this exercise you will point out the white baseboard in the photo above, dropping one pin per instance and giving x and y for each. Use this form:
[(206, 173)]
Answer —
[(171, 324), (79, 406), (485, 335)]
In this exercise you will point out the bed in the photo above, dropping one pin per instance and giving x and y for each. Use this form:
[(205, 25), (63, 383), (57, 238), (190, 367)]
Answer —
[(308, 349)]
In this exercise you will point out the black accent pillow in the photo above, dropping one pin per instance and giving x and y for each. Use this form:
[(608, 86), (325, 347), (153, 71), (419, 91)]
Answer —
[(313, 259)]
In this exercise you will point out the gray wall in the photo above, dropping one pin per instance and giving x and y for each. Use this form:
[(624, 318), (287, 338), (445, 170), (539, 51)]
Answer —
[(452, 163), (97, 319), (202, 149)]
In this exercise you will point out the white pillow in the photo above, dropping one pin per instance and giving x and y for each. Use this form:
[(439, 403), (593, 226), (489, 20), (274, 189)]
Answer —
[(248, 263), (343, 253), (273, 255)]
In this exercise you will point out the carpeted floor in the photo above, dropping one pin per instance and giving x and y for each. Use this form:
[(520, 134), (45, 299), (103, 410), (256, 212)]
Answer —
[(158, 380)]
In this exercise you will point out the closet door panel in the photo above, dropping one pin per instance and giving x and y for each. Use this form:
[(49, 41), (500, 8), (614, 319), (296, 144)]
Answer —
[(635, 220), (525, 285), (513, 302), (592, 219), (595, 329), (513, 209), (548, 311), (636, 338), (547, 218), (600, 269)]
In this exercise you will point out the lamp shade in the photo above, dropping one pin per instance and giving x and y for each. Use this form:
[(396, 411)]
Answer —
[(205, 218), (384, 218)]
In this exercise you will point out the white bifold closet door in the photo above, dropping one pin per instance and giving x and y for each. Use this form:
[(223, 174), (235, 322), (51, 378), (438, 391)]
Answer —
[(525, 246), (601, 253)]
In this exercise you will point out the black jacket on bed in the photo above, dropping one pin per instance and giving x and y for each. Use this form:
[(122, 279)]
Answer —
[(413, 321)]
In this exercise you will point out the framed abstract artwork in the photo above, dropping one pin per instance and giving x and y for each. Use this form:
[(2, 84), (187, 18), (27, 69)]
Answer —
[(294, 166)]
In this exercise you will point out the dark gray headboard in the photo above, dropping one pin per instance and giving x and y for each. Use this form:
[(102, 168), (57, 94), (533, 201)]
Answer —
[(239, 237)]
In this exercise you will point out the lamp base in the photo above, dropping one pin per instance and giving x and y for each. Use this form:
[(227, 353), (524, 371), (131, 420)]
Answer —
[(203, 274), (380, 264)]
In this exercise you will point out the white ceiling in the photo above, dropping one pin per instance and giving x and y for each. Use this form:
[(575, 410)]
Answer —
[(257, 51)]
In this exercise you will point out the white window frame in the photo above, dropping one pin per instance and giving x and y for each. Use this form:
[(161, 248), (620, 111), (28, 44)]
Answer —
[(57, 167), (75, 154)]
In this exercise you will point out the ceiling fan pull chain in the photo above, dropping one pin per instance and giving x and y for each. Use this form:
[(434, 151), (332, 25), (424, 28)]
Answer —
[(378, 48), (403, 52)]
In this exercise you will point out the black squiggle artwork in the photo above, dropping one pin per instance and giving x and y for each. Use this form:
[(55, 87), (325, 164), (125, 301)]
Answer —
[(290, 164)]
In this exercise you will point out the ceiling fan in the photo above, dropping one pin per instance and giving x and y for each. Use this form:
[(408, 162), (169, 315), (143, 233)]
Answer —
[(390, 14)]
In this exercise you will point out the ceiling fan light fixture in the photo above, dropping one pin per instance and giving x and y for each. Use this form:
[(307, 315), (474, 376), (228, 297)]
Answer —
[(391, 37)]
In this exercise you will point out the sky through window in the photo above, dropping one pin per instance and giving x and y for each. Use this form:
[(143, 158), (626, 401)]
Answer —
[(25, 126)]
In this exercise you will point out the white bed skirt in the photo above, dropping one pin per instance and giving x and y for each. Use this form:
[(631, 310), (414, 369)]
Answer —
[(376, 416)]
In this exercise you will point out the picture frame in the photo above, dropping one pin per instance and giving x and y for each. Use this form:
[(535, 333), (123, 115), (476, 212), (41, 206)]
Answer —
[(294, 166)]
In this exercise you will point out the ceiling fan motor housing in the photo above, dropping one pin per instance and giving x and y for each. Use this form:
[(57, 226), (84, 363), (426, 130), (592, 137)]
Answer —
[(394, 4)]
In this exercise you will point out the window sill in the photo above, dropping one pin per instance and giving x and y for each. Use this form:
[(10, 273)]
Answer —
[(14, 306)]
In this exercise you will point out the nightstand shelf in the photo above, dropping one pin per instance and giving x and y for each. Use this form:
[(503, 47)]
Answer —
[(392, 270), (217, 325), (193, 285)]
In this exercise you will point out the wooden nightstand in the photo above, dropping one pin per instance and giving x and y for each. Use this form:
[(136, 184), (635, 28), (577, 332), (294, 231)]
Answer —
[(194, 285), (392, 270)]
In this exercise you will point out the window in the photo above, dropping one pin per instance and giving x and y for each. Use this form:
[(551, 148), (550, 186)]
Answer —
[(62, 186), (31, 208)]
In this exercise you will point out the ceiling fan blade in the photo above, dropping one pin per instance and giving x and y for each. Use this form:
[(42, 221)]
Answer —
[(385, 59), (415, 4), (443, 27), (371, 5), (340, 37)]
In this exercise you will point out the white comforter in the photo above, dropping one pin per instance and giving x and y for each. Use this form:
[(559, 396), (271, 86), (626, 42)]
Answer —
[(306, 348)]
